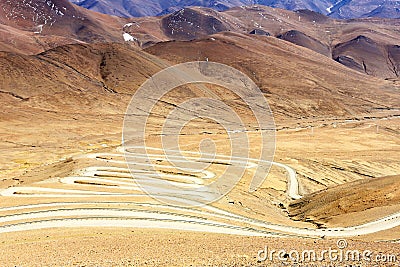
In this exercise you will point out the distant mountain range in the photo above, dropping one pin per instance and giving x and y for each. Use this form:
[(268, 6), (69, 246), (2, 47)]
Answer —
[(366, 45), (342, 9)]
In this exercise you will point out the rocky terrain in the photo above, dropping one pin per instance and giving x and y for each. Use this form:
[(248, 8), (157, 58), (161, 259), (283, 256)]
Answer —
[(343, 9), (366, 45)]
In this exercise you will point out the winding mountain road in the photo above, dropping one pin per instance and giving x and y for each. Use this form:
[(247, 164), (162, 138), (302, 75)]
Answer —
[(106, 181)]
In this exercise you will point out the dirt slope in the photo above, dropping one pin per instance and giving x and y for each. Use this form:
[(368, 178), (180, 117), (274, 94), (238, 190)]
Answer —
[(33, 26), (375, 194), (292, 77), (366, 55)]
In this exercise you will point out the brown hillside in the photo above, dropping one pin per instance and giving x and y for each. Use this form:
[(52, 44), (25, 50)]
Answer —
[(35, 26), (304, 40), (292, 77), (304, 28), (75, 78), (188, 24), (375, 194), (366, 55)]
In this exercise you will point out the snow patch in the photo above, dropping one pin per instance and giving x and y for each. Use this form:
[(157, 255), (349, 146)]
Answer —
[(128, 37)]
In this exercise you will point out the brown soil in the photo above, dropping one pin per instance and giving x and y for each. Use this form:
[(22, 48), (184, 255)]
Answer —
[(323, 206), (125, 247)]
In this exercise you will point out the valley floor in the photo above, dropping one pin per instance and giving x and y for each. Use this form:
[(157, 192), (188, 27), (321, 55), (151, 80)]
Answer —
[(92, 187)]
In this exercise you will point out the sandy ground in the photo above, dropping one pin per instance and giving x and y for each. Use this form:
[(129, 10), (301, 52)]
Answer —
[(136, 247)]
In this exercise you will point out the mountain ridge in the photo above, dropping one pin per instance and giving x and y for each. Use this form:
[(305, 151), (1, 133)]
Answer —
[(340, 9), (338, 40)]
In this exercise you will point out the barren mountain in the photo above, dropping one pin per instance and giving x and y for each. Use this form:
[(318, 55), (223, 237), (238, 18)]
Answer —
[(366, 55), (34, 26), (127, 8), (83, 71), (334, 8), (343, 41), (304, 40), (188, 24), (74, 77), (271, 62), (346, 9)]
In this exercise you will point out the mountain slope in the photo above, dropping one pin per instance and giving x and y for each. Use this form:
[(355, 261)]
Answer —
[(137, 8), (304, 40), (299, 82), (75, 78), (127, 8), (374, 195), (34, 26), (331, 38), (347, 9), (366, 55), (188, 24), (335, 8)]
